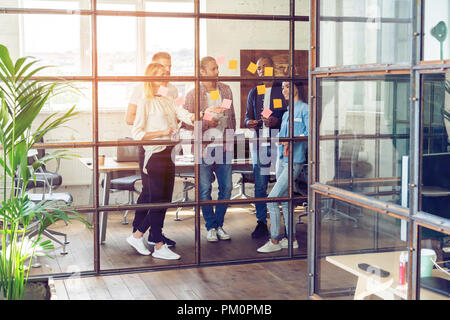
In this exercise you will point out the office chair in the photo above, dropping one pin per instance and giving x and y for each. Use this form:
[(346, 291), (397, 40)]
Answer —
[(187, 186), (124, 181), (48, 181)]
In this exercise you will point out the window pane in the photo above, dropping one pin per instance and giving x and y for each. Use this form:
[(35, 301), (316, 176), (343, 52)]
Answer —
[(381, 30), (436, 22), (48, 4), (364, 135), (435, 187), (147, 5), (434, 264), (121, 53), (68, 182), (218, 38), (302, 7), (349, 235), (245, 7), (114, 98), (67, 48)]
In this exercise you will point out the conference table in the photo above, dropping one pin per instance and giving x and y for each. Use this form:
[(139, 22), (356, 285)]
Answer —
[(183, 164)]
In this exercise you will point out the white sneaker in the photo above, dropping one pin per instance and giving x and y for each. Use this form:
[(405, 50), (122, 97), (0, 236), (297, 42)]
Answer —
[(270, 247), (212, 235), (165, 253), (284, 243), (222, 234), (138, 244)]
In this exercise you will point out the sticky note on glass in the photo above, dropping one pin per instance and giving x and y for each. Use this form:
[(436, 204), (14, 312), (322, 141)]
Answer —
[(162, 91), (277, 103), (261, 89), (220, 59), (214, 95), (179, 101), (208, 116), (233, 64), (226, 103), (266, 113), (268, 71), (252, 67)]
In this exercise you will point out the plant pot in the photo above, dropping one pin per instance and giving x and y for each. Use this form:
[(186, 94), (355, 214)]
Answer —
[(38, 289)]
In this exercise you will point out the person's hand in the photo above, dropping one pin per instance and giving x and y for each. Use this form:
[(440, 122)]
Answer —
[(168, 132), (271, 121), (251, 124), (285, 149), (216, 109), (213, 122)]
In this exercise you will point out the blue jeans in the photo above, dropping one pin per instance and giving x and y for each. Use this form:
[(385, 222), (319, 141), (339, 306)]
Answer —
[(223, 173), (261, 174), (280, 189)]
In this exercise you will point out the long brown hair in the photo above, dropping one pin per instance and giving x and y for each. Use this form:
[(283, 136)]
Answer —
[(151, 70)]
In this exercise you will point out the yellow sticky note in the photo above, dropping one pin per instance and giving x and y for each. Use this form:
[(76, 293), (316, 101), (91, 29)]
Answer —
[(277, 103), (233, 64), (214, 95), (268, 71), (261, 89), (252, 67)]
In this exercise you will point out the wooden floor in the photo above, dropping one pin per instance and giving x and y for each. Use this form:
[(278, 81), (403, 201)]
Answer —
[(265, 280), (281, 280), (116, 253)]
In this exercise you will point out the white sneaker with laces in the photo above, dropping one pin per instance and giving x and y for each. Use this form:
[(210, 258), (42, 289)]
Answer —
[(284, 243), (270, 247), (165, 253), (212, 235), (222, 234), (138, 244)]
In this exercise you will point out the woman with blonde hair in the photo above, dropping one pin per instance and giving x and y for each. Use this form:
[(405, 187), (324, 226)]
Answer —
[(156, 119)]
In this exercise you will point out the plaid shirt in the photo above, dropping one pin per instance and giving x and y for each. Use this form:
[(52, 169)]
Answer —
[(225, 93)]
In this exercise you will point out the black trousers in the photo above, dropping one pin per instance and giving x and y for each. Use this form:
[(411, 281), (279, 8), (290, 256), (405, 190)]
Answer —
[(157, 187)]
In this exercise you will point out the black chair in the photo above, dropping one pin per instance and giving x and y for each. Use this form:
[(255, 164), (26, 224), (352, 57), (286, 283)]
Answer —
[(48, 181), (124, 181), (187, 186)]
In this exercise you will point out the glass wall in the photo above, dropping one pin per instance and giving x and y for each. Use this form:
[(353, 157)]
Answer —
[(356, 32), (379, 90), (103, 49), (436, 44), (352, 242), (364, 135)]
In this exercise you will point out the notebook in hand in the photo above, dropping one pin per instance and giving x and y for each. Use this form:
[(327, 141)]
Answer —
[(436, 284)]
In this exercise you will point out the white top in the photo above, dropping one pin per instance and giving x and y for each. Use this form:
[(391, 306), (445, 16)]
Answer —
[(157, 114), (266, 130), (138, 93)]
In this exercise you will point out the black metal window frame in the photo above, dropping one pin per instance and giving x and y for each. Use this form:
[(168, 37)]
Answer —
[(96, 143)]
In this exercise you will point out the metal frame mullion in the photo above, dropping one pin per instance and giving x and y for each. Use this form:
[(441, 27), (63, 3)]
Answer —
[(312, 146), (291, 128), (414, 152), (197, 136), (95, 172)]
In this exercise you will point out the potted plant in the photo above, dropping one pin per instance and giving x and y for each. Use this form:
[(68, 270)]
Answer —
[(22, 96)]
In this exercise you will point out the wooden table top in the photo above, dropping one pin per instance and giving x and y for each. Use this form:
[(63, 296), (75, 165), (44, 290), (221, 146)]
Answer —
[(388, 261)]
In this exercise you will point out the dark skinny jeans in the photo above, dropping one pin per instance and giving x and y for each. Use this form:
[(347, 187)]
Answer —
[(157, 187)]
